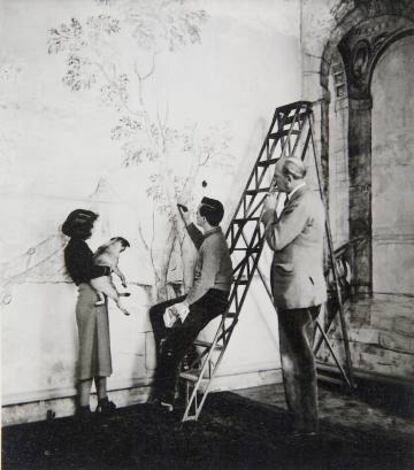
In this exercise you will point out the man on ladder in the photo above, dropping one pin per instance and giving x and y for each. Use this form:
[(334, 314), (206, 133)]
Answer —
[(296, 237), (176, 323)]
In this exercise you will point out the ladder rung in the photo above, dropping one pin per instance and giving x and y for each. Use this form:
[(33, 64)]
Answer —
[(283, 133), (258, 190), (288, 107), (325, 373), (241, 282), (247, 250), (245, 219), (207, 344), (231, 315), (290, 119), (190, 375), (269, 162), (330, 379)]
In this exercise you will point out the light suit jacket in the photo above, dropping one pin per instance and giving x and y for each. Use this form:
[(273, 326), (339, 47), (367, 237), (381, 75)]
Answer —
[(297, 241)]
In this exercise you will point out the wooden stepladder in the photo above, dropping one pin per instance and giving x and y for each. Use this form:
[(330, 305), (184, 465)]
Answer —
[(290, 134)]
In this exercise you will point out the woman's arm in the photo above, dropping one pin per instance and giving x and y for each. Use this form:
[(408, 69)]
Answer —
[(80, 264)]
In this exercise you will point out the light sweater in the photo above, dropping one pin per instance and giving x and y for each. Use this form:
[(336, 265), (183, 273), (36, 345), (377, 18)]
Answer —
[(213, 268)]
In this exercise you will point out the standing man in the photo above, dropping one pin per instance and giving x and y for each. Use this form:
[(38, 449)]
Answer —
[(206, 299), (298, 284)]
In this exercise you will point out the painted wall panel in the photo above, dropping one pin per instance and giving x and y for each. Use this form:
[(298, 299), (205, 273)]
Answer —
[(62, 148)]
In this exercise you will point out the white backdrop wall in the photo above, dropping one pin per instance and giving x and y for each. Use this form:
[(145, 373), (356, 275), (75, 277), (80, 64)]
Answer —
[(56, 154)]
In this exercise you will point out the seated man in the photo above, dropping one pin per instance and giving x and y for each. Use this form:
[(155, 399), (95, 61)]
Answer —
[(206, 299)]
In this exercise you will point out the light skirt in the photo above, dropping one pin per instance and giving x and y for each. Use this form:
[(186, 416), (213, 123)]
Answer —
[(93, 330)]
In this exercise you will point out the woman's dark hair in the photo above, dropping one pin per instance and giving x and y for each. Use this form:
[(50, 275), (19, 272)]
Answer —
[(79, 224), (212, 210)]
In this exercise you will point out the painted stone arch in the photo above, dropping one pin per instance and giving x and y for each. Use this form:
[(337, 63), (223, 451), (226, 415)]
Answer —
[(362, 34)]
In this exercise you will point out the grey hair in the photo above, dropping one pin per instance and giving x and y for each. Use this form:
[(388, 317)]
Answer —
[(293, 167)]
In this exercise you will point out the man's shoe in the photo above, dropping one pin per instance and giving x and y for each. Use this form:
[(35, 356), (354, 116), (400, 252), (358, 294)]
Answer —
[(159, 403)]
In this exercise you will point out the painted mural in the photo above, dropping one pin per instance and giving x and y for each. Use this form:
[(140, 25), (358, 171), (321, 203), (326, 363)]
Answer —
[(111, 56), (127, 108)]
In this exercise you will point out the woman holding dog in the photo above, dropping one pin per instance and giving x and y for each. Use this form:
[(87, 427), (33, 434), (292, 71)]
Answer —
[(94, 361)]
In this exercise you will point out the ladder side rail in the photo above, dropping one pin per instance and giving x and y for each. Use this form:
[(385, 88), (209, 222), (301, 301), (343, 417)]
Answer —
[(227, 341), (243, 263), (333, 259), (269, 293), (256, 242), (286, 139), (338, 365), (201, 374), (222, 336), (229, 332), (260, 203), (211, 348), (247, 206), (235, 237), (303, 156), (298, 137), (263, 148)]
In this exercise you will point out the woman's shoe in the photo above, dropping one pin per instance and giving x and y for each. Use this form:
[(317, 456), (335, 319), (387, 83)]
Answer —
[(105, 407), (83, 413)]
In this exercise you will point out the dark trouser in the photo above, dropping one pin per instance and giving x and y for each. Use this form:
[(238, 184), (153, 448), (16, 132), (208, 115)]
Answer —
[(172, 343), (296, 332)]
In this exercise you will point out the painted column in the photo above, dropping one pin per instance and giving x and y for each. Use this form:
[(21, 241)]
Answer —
[(359, 134)]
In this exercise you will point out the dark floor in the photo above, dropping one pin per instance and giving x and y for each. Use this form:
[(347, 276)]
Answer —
[(234, 432)]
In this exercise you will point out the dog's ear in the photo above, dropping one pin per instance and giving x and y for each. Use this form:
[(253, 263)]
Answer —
[(125, 242)]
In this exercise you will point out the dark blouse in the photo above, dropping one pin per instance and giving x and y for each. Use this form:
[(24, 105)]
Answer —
[(79, 262)]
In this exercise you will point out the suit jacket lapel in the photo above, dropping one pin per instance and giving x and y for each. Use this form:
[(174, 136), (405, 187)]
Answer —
[(296, 195)]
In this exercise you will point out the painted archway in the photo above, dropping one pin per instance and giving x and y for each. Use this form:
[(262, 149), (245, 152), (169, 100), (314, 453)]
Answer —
[(393, 170), (355, 45)]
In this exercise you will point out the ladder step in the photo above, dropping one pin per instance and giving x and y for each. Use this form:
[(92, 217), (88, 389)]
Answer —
[(207, 344), (245, 219), (269, 162), (328, 373), (288, 107), (301, 117), (283, 133), (257, 191), (329, 379), (247, 250), (191, 376), (231, 315)]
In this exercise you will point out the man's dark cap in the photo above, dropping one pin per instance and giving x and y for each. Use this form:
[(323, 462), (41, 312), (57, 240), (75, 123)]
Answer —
[(78, 219)]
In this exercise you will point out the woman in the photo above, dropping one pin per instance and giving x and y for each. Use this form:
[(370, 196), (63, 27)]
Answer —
[(93, 327)]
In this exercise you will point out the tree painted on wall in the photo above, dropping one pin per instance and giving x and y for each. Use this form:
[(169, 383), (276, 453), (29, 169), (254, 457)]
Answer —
[(113, 55)]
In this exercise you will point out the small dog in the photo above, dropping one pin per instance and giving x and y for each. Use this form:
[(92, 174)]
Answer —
[(108, 255)]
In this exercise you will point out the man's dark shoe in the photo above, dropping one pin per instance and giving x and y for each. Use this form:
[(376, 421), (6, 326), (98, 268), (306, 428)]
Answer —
[(161, 403)]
